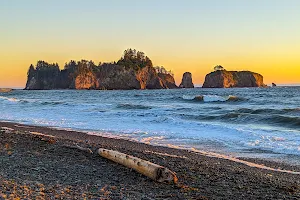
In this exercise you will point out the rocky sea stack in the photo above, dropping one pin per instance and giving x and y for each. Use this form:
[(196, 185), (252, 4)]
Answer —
[(229, 79), (187, 81), (133, 71)]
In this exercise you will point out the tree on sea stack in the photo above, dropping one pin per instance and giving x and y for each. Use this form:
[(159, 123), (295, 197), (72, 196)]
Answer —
[(219, 68), (134, 59)]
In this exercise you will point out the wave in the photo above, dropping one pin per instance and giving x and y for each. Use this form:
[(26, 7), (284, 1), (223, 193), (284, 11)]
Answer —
[(269, 111), (249, 118), (128, 106), (212, 98), (12, 99), (9, 99), (292, 110), (286, 120), (52, 103)]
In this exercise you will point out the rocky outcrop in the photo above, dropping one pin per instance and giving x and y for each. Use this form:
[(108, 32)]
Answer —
[(134, 70), (43, 77), (104, 77), (229, 79), (274, 85), (167, 80), (187, 81), (114, 77), (86, 81)]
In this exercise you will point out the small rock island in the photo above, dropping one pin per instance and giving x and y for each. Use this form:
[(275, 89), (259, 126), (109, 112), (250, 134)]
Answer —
[(222, 78), (187, 81), (133, 71)]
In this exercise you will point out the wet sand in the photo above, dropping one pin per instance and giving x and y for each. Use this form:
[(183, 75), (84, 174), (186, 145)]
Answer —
[(34, 166)]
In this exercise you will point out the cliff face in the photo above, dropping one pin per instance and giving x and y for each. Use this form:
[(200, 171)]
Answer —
[(86, 81), (43, 77), (113, 77), (104, 77), (187, 81), (229, 79), (168, 80)]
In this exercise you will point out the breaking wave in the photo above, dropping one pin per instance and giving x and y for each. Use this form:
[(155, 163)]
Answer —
[(12, 99), (9, 99), (249, 118), (15, 100)]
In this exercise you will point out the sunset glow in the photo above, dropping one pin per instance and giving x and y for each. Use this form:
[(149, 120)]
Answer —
[(260, 36)]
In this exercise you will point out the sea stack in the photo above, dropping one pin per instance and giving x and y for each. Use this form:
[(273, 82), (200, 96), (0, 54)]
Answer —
[(187, 81), (230, 79), (133, 71)]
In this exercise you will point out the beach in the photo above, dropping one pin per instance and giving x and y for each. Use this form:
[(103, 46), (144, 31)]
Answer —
[(37, 163)]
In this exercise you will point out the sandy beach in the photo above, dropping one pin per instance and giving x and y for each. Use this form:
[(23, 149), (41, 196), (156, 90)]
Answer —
[(36, 167)]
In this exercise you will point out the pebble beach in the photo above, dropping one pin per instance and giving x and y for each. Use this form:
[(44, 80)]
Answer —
[(37, 163)]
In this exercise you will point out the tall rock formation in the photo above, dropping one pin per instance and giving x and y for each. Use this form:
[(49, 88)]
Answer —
[(187, 81), (133, 71), (229, 79)]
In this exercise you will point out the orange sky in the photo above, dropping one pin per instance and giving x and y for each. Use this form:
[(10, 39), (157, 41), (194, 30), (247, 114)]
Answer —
[(281, 70), (259, 36)]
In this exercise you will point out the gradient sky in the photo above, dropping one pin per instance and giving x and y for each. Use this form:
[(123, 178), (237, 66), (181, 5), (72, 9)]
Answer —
[(191, 35)]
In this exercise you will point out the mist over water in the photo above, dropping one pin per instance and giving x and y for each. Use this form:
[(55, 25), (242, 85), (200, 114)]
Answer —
[(251, 122)]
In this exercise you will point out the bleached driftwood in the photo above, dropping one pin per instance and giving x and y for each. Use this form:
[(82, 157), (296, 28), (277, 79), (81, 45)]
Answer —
[(41, 134), (7, 129), (151, 170), (80, 148)]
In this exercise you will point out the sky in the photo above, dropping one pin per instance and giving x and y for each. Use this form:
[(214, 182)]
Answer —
[(182, 35)]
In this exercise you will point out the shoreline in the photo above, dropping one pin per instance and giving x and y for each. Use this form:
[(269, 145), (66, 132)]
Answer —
[(199, 175), (262, 163)]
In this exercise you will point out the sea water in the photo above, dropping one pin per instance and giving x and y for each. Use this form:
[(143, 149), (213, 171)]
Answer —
[(246, 122)]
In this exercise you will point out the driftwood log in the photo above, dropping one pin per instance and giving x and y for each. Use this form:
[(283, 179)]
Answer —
[(151, 170)]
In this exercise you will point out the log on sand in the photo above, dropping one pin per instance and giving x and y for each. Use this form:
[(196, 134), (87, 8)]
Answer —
[(151, 170)]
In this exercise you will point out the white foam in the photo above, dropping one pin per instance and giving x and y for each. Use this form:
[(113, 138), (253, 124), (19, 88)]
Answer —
[(9, 99), (214, 98), (188, 97), (209, 98)]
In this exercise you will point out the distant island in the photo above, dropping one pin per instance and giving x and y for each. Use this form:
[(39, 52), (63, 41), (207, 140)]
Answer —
[(133, 71), (222, 78)]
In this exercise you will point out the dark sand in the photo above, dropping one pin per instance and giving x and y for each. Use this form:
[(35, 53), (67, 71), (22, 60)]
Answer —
[(34, 167)]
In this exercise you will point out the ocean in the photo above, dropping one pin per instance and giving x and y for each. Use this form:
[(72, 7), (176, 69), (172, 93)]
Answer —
[(240, 122)]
